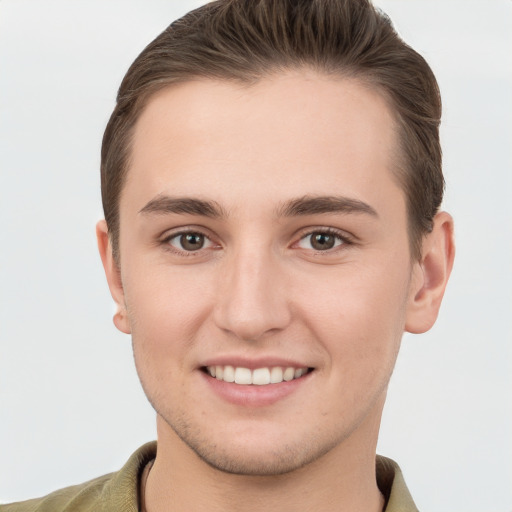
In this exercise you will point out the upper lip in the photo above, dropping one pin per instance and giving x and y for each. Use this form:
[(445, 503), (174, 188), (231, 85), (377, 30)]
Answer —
[(253, 363)]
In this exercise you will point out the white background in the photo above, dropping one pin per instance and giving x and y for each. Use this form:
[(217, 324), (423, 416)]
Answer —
[(70, 404)]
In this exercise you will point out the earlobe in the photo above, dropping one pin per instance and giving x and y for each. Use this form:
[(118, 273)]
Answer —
[(430, 275), (113, 275)]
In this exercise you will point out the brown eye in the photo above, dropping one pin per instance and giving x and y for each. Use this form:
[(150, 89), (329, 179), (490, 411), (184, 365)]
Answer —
[(189, 241), (320, 241), (192, 241)]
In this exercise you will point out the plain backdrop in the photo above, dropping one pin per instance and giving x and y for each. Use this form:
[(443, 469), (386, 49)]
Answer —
[(71, 407)]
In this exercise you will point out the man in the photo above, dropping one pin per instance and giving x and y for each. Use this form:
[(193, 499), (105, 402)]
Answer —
[(271, 180)]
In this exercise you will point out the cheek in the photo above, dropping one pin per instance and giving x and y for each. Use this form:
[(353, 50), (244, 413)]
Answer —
[(165, 307), (359, 313)]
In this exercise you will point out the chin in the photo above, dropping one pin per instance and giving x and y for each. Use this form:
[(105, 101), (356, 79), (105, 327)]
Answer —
[(242, 462), (256, 454)]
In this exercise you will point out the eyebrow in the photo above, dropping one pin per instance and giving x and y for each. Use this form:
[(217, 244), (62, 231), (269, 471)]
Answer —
[(162, 205), (306, 205), (312, 205)]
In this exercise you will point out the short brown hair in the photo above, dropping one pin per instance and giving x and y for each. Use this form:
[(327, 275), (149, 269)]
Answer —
[(246, 40)]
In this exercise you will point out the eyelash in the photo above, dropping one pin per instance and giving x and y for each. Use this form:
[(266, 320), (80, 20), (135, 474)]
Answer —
[(166, 242), (340, 236), (343, 238)]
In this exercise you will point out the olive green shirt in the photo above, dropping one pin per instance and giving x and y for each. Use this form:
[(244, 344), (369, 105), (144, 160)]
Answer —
[(120, 492)]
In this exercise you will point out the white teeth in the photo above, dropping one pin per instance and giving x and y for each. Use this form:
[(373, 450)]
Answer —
[(276, 375), (258, 377), (261, 376), (289, 374), (243, 376), (229, 374)]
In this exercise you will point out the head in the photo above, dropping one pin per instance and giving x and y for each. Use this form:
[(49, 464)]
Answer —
[(271, 178), (246, 41)]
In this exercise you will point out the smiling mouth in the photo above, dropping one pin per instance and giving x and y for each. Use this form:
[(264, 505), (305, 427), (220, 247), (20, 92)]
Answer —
[(258, 376)]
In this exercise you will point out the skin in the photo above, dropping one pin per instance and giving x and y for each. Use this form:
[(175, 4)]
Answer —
[(259, 290)]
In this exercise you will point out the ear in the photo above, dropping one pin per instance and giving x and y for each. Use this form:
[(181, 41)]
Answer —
[(113, 274), (430, 275)]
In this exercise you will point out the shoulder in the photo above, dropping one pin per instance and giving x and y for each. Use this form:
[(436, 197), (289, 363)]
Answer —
[(115, 491), (81, 497), (392, 485)]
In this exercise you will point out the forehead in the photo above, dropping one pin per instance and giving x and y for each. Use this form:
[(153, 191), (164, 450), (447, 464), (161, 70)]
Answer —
[(292, 133)]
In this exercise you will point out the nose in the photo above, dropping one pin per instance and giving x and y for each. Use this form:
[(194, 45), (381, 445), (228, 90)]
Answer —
[(252, 300)]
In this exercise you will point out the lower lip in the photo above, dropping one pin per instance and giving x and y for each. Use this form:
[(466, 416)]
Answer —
[(254, 395)]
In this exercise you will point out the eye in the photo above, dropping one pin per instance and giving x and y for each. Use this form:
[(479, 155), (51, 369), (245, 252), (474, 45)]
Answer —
[(321, 241), (189, 242)]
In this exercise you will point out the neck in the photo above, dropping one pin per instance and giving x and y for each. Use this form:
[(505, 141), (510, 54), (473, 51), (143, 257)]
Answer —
[(341, 480)]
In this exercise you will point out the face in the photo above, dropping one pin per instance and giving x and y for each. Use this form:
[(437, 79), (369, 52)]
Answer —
[(265, 272)]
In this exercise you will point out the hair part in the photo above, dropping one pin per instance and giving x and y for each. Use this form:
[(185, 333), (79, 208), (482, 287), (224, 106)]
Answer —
[(248, 40)]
